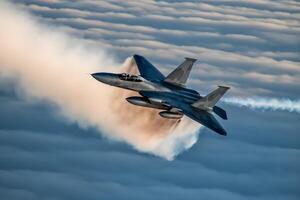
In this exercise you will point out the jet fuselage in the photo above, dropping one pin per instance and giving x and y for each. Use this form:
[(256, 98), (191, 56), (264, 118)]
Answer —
[(138, 84), (169, 93)]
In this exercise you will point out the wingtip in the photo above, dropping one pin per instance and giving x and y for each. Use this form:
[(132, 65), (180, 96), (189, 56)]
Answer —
[(191, 59), (136, 55), (223, 86), (222, 132)]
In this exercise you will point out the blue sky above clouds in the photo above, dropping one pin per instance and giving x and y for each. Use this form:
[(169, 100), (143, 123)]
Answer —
[(252, 46)]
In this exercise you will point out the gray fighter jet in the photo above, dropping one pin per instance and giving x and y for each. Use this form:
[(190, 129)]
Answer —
[(169, 94)]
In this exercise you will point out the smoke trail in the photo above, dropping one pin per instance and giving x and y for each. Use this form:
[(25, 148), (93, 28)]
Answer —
[(50, 65), (265, 103)]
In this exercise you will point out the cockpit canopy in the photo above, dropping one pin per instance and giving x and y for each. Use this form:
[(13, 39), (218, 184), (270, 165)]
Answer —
[(129, 77)]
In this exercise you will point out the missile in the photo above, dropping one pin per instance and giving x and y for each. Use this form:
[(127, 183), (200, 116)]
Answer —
[(142, 101), (170, 115)]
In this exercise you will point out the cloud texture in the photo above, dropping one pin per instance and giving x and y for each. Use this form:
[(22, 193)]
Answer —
[(252, 46), (49, 66)]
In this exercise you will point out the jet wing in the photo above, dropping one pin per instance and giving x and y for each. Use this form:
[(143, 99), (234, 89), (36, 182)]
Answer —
[(147, 70), (201, 116), (206, 119)]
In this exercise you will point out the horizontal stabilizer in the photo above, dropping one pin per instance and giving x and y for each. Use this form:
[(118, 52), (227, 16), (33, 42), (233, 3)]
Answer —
[(220, 112), (180, 75), (211, 99)]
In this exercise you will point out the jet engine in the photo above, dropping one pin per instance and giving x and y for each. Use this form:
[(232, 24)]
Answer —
[(142, 101), (170, 115)]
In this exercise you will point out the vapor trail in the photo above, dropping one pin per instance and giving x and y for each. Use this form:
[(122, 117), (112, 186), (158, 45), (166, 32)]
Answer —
[(265, 103), (50, 65)]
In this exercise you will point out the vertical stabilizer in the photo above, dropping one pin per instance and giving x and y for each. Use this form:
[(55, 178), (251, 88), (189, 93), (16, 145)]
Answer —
[(180, 75)]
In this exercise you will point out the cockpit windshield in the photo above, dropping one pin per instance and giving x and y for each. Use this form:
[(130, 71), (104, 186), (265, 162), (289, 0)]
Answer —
[(129, 77)]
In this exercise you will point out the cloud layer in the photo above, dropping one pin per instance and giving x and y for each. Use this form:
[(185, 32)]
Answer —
[(249, 45), (48, 66), (252, 46)]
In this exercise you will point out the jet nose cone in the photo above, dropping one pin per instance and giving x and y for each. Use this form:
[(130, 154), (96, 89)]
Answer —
[(103, 77)]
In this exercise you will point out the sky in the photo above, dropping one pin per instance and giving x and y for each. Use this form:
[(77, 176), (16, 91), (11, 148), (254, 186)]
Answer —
[(61, 139)]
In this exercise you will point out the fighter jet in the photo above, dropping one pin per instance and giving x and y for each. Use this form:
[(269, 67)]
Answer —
[(169, 94)]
